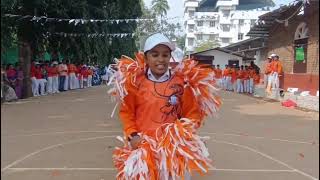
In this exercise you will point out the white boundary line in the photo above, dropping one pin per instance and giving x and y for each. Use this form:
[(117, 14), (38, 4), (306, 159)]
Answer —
[(291, 169), (60, 132), (269, 157), (260, 137), (224, 134), (50, 147), (114, 169)]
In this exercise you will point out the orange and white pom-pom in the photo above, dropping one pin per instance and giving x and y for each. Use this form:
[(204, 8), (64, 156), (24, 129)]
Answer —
[(167, 154), (200, 79), (124, 77)]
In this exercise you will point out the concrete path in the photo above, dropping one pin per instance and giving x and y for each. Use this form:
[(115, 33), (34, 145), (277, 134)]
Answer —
[(70, 136)]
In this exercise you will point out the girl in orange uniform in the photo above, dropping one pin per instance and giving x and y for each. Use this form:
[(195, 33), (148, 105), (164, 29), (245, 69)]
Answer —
[(160, 110)]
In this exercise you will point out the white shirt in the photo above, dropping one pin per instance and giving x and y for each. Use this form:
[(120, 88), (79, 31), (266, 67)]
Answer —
[(163, 78)]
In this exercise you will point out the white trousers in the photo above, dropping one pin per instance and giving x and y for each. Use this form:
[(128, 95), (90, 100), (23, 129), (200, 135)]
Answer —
[(251, 85), (246, 85), (275, 80), (35, 86), (77, 83), (219, 82), (81, 82), (55, 84), (66, 83), (41, 85), (229, 83), (72, 80), (239, 86), (266, 80), (49, 86), (89, 81)]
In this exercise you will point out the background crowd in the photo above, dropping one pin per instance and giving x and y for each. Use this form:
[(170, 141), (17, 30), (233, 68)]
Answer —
[(50, 77)]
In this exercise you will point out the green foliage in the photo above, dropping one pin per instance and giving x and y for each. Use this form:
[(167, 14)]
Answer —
[(205, 45), (77, 49)]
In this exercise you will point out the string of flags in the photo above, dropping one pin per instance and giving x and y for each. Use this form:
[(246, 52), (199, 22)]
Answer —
[(74, 21), (93, 35)]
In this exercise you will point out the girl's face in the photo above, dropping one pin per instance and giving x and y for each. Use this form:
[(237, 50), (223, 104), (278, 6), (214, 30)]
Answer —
[(158, 59)]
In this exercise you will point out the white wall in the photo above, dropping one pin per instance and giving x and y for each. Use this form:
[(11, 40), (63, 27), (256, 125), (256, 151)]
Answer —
[(222, 58)]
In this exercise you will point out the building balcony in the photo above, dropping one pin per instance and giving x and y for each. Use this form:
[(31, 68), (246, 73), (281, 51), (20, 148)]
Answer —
[(191, 4), (190, 35), (225, 34), (224, 20), (191, 21), (227, 3)]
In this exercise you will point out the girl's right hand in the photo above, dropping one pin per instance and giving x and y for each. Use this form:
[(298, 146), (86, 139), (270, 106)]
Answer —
[(135, 141)]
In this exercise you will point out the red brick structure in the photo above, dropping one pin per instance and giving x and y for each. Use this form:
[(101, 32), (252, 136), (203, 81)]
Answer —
[(283, 37)]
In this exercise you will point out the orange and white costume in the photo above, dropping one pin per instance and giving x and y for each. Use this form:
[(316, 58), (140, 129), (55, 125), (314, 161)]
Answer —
[(166, 116)]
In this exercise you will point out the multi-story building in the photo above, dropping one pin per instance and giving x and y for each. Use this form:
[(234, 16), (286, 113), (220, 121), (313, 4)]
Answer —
[(220, 21)]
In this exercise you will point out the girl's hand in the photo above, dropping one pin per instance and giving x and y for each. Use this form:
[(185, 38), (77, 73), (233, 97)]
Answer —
[(135, 141)]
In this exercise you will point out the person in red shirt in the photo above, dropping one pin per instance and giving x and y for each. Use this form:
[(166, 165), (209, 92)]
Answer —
[(55, 77), (40, 75), (37, 76), (72, 75), (226, 78), (218, 76), (84, 75), (240, 80), (246, 79), (53, 82), (233, 78), (90, 75), (251, 73)]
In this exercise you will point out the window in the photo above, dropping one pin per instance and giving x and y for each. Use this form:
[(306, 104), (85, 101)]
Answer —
[(300, 49), (212, 37), (225, 40), (252, 22), (199, 37), (241, 22), (200, 23), (191, 13), (212, 23), (190, 41), (225, 28), (240, 36), (225, 13), (190, 27)]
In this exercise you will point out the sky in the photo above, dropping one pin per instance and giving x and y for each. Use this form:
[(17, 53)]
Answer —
[(176, 8)]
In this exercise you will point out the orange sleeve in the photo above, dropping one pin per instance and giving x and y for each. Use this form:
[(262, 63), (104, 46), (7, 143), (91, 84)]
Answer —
[(190, 107), (127, 114), (279, 68)]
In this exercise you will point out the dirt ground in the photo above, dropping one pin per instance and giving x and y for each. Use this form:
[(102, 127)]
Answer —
[(71, 136)]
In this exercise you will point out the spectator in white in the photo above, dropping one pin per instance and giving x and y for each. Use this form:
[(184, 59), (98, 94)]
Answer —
[(105, 74)]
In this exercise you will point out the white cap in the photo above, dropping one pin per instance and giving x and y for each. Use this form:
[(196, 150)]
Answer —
[(54, 62), (273, 55), (36, 63), (155, 40)]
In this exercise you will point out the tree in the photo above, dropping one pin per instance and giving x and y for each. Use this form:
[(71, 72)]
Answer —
[(160, 7), (34, 40), (205, 45), (181, 41)]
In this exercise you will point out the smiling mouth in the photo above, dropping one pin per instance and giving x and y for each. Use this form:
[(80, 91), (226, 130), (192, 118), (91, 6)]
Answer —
[(160, 66)]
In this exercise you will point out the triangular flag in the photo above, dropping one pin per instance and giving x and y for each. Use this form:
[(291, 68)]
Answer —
[(71, 21)]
